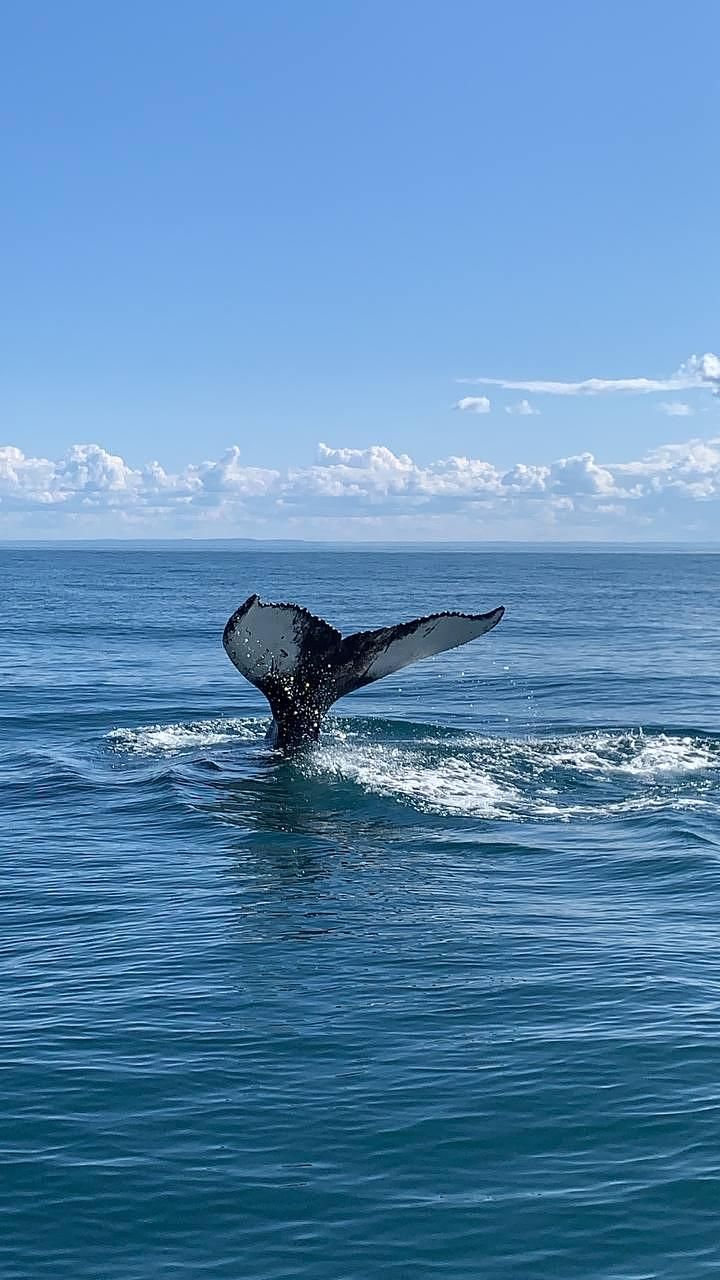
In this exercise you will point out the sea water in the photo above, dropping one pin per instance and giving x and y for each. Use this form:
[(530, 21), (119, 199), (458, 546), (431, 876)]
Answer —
[(439, 998)]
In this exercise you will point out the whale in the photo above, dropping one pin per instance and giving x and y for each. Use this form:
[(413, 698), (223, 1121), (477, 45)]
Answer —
[(303, 665)]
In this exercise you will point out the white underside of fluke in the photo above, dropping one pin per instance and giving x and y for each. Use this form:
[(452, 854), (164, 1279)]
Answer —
[(428, 637), (267, 639)]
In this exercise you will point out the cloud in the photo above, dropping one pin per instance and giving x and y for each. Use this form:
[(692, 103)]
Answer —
[(589, 387), (676, 409), (697, 372), (705, 370), (89, 479), (473, 404), (672, 491), (523, 407)]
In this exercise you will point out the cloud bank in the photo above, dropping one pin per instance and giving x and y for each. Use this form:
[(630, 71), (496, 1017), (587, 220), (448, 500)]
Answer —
[(674, 491)]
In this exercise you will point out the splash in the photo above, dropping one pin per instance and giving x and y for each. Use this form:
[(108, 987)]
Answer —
[(615, 772), (573, 775), (454, 785)]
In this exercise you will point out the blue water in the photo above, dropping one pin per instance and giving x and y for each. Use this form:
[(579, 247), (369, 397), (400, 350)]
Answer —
[(442, 999)]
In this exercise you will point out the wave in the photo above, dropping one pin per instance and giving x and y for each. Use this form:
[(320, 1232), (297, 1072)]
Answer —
[(570, 775)]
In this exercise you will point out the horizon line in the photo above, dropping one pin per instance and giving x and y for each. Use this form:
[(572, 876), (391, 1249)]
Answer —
[(559, 543)]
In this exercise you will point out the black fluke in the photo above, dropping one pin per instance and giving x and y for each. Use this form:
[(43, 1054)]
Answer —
[(303, 665)]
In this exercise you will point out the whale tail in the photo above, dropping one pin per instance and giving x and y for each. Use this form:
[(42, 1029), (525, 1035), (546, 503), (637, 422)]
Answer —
[(303, 665)]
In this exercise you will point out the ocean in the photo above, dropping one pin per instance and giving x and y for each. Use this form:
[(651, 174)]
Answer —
[(439, 999)]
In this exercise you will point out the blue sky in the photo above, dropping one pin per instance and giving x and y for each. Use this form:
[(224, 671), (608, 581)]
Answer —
[(267, 226)]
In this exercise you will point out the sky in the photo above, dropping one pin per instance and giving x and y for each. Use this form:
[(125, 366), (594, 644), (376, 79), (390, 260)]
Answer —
[(367, 270)]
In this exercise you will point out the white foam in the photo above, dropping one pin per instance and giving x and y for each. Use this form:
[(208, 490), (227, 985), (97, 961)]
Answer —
[(453, 785), (527, 778), (651, 757), (648, 803), (663, 755), (601, 753), (161, 739)]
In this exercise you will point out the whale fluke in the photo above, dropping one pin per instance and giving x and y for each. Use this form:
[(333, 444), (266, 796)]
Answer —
[(303, 665)]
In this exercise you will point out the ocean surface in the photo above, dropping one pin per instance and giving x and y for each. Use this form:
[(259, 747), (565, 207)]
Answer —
[(441, 999)]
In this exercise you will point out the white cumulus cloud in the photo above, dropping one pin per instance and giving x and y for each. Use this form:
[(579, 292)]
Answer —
[(524, 408), (350, 492), (473, 404), (702, 371)]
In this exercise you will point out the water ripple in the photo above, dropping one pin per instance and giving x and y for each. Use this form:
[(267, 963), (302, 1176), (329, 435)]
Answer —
[(440, 997)]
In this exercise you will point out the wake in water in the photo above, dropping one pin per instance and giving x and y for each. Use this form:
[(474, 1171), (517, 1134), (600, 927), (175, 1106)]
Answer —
[(572, 775)]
